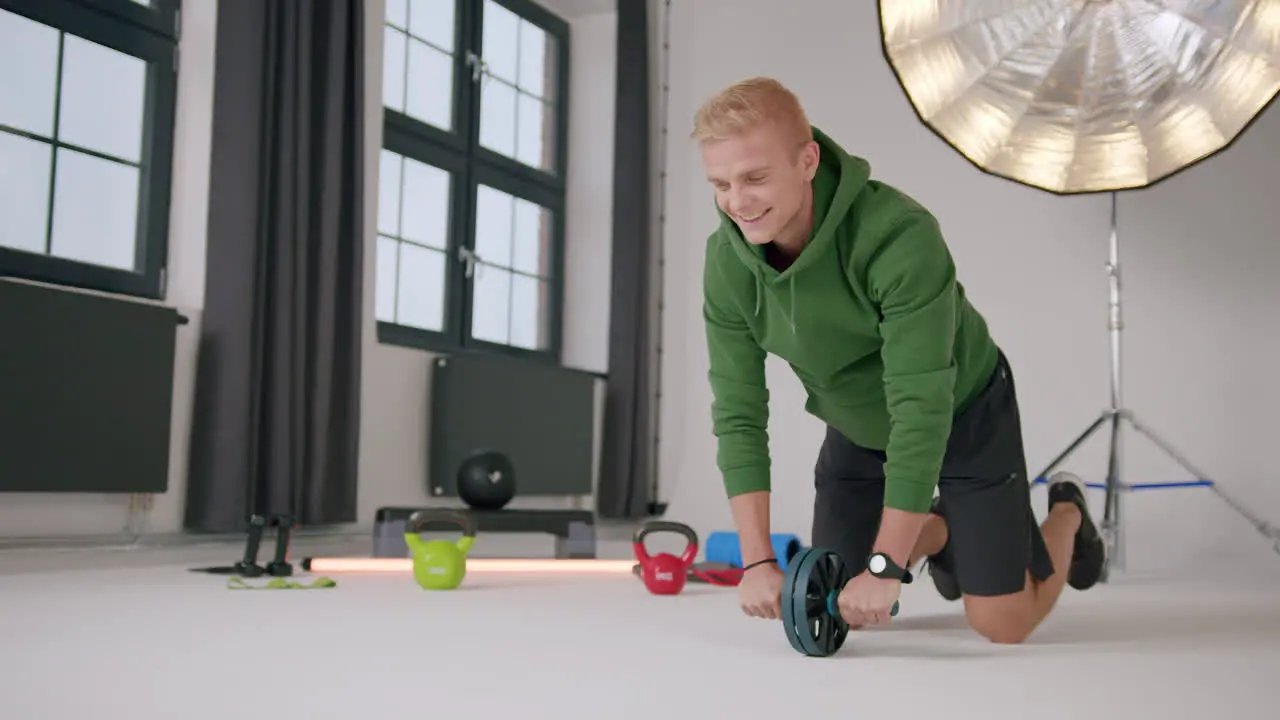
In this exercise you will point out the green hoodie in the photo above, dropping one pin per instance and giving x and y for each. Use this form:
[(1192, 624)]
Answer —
[(870, 317)]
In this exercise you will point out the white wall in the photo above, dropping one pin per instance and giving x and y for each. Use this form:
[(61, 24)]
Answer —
[(1198, 254), (396, 396)]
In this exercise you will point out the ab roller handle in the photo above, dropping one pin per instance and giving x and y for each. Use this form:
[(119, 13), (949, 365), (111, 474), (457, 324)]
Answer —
[(439, 564)]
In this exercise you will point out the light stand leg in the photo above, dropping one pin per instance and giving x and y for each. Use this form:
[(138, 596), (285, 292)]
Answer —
[(1267, 530), (1089, 431), (1112, 528)]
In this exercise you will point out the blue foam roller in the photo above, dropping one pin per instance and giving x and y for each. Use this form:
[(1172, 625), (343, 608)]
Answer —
[(722, 546)]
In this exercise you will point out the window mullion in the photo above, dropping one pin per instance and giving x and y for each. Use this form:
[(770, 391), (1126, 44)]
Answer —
[(464, 241), (471, 165), (469, 109), (53, 145)]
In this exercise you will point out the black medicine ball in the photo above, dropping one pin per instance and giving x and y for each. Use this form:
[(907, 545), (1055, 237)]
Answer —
[(486, 480)]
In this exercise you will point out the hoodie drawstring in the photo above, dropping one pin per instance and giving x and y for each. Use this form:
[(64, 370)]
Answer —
[(791, 306)]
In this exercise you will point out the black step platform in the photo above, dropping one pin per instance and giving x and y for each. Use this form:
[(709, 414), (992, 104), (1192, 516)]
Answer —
[(574, 530)]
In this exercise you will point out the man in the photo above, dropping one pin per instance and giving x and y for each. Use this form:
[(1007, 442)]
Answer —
[(850, 281)]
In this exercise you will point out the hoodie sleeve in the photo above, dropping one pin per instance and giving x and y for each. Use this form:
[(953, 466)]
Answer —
[(912, 280), (740, 398)]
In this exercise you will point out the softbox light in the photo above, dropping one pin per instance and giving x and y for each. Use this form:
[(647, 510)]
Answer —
[(1079, 96), (1088, 96)]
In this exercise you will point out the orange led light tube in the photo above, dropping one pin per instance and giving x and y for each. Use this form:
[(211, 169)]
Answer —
[(482, 565)]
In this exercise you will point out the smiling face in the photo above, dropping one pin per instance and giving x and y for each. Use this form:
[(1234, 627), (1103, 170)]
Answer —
[(761, 177), (760, 157)]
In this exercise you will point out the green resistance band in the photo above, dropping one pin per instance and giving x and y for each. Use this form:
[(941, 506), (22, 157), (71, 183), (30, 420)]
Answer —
[(236, 583)]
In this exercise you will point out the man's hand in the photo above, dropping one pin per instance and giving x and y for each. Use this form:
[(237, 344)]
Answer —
[(760, 592), (867, 600)]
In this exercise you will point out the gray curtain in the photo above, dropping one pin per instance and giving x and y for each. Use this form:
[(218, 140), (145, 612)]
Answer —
[(625, 488), (276, 418)]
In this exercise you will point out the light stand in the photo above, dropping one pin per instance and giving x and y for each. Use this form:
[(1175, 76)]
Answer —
[(1112, 527)]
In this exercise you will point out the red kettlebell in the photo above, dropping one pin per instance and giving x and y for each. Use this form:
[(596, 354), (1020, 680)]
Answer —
[(664, 573)]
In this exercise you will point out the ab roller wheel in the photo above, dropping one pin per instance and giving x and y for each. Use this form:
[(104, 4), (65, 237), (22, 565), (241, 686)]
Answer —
[(810, 612)]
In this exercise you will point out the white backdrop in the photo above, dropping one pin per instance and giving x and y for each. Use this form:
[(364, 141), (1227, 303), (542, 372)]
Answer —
[(1199, 254)]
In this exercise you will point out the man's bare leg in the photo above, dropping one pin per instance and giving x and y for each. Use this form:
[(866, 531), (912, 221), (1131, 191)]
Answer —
[(1067, 531), (1059, 531), (1011, 618), (933, 536)]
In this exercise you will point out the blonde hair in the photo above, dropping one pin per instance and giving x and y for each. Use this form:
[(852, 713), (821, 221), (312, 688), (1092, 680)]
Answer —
[(748, 104)]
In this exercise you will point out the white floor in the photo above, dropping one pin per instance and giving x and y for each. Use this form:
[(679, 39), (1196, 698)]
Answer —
[(161, 642)]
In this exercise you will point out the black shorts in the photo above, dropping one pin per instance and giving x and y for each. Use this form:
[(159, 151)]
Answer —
[(983, 486)]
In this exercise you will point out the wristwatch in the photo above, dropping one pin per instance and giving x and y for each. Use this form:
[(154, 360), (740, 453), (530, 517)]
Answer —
[(883, 566)]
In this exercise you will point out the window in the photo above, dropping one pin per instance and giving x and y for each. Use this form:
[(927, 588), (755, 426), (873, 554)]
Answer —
[(86, 131), (471, 189)]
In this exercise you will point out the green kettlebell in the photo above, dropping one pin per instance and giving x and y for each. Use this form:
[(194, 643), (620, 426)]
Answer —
[(439, 564)]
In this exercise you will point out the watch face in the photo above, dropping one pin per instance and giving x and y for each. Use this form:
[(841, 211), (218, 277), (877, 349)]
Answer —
[(877, 564)]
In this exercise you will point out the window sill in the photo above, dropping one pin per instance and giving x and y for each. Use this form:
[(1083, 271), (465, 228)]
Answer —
[(437, 343)]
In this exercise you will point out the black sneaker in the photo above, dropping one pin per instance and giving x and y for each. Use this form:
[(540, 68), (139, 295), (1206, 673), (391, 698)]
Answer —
[(1089, 557), (942, 567)]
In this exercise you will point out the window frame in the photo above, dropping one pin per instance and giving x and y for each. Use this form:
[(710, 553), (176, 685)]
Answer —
[(471, 164), (152, 35)]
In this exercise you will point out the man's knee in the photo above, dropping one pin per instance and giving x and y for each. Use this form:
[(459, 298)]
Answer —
[(1004, 620), (1004, 631)]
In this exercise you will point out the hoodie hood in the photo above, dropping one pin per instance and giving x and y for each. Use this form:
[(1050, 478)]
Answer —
[(836, 184)]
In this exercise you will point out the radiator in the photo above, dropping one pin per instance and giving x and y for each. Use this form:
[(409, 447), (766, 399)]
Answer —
[(86, 391), (542, 416)]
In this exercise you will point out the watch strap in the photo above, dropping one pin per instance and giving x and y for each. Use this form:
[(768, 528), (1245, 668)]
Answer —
[(892, 569)]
